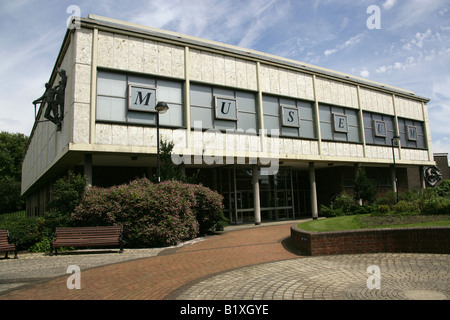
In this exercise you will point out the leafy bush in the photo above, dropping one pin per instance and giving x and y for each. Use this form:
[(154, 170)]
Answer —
[(26, 230), (343, 204), (66, 196), (406, 207), (41, 246), (365, 189), (388, 199), (161, 214), (68, 192), (208, 208), (383, 208), (443, 189), (436, 206), (10, 195)]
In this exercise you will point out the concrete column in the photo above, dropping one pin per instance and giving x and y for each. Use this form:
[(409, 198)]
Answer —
[(422, 177), (256, 202), (88, 168), (356, 167), (312, 183), (393, 179)]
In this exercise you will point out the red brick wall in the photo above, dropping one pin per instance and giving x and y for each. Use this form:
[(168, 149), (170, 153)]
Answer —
[(411, 240)]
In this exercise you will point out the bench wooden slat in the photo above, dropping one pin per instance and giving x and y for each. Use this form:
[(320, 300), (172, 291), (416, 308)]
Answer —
[(6, 245), (87, 237)]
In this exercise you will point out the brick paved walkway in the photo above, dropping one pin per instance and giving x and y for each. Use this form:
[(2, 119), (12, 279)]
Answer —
[(246, 264), (158, 276)]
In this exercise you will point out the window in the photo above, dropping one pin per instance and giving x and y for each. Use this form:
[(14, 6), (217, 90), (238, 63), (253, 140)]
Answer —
[(339, 124), (294, 118), (378, 128), (411, 133), (222, 108), (128, 98)]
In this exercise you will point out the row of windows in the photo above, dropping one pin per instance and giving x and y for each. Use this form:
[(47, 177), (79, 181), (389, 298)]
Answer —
[(123, 98)]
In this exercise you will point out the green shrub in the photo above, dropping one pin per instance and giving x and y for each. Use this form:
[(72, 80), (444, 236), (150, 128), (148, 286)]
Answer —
[(345, 202), (365, 189), (443, 189), (66, 196), (160, 214), (208, 208), (67, 193), (41, 246), (10, 198), (406, 207), (389, 199), (26, 230), (436, 205), (383, 208)]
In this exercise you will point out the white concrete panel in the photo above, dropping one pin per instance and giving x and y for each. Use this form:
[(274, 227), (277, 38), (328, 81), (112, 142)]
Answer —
[(81, 123), (408, 108), (103, 133), (121, 52), (83, 39), (150, 63)]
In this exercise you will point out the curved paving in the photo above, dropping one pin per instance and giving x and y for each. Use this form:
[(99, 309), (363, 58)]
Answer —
[(253, 263), (346, 277)]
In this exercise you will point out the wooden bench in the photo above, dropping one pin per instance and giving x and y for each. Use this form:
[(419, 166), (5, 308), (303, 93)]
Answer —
[(87, 237), (6, 245)]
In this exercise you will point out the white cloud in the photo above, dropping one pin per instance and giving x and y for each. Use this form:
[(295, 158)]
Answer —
[(389, 4), (413, 13), (347, 44), (365, 73), (239, 23), (329, 51)]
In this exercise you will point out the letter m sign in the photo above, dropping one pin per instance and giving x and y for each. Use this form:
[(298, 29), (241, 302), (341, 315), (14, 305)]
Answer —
[(141, 98)]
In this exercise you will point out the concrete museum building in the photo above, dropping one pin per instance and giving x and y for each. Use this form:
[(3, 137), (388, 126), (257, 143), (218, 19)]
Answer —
[(274, 136)]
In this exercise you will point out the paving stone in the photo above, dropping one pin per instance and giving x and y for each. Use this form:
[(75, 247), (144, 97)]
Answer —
[(239, 264)]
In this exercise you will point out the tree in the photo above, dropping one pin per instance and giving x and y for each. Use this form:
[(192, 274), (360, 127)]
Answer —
[(67, 194), (364, 188), (169, 170), (12, 150)]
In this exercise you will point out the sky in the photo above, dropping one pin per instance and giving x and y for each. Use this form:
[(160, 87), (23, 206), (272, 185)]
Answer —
[(402, 43)]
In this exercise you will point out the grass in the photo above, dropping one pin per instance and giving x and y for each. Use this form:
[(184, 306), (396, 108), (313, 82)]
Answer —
[(12, 215), (367, 221)]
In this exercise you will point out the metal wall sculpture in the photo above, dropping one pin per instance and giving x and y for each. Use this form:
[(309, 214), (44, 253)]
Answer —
[(432, 175), (54, 98)]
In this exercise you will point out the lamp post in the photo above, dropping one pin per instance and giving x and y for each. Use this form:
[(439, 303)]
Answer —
[(397, 139), (161, 108)]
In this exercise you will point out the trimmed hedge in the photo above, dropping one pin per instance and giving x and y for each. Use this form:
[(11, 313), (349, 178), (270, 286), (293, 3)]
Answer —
[(153, 215)]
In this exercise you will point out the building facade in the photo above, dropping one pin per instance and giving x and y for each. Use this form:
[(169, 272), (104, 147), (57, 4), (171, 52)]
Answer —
[(274, 136)]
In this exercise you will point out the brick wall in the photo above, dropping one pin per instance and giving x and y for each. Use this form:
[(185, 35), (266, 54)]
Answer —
[(411, 240)]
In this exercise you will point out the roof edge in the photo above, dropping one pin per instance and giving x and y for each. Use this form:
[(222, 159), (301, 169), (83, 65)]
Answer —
[(171, 35)]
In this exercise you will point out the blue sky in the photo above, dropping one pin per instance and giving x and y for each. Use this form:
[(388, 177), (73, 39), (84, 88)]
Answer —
[(410, 50)]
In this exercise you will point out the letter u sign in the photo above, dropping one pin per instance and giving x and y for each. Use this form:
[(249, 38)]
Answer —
[(226, 108)]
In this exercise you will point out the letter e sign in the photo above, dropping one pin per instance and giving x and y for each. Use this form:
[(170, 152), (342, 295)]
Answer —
[(340, 123)]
